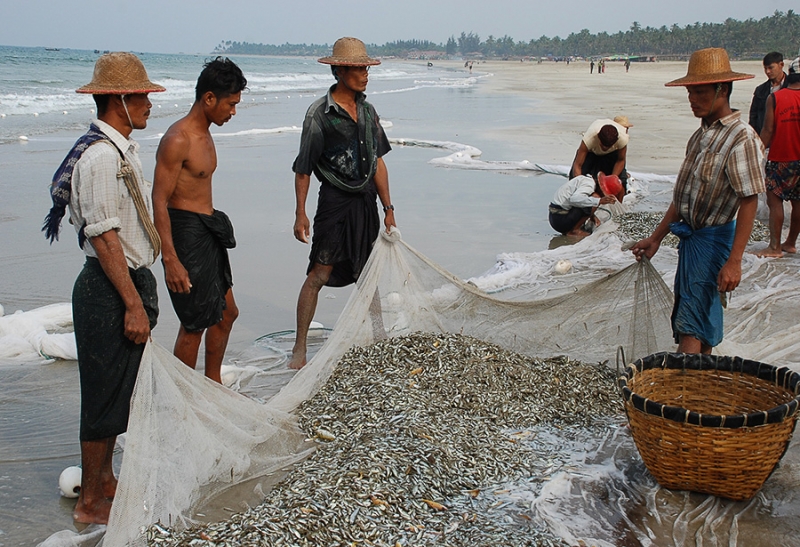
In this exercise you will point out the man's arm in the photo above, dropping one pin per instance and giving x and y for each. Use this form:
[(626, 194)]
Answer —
[(650, 245), (769, 122), (622, 153), (580, 157), (754, 109), (731, 273), (112, 259), (172, 150), (302, 227), (381, 179)]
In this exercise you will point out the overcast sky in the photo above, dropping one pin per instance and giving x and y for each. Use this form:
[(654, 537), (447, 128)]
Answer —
[(197, 26)]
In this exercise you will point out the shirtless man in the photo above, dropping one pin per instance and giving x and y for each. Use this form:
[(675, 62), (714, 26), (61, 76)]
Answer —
[(195, 237)]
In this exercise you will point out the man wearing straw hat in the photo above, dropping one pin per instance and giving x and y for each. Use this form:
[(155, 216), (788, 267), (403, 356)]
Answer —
[(713, 205), (114, 301), (343, 144)]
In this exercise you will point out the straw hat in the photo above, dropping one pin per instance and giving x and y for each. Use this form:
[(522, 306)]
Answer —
[(119, 73), (349, 52), (709, 66), (623, 121), (609, 184)]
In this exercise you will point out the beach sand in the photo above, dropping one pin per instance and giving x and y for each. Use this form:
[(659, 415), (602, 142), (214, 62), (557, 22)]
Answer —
[(572, 98)]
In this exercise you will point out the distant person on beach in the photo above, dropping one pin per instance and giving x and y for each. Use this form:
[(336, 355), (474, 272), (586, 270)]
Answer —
[(781, 134), (343, 144), (713, 203), (604, 147), (114, 300), (627, 64), (195, 236), (591, 67), (776, 79), (572, 210)]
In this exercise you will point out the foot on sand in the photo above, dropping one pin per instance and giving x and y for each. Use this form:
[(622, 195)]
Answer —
[(298, 360), (97, 513), (769, 252), (786, 248)]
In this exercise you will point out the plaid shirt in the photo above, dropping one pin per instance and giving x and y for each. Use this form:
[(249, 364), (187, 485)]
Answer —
[(101, 200), (722, 165)]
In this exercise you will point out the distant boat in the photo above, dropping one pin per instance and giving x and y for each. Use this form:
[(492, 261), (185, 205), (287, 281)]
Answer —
[(97, 51), (52, 49)]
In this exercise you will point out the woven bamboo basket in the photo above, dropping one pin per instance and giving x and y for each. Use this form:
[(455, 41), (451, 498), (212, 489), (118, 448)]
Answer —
[(711, 424)]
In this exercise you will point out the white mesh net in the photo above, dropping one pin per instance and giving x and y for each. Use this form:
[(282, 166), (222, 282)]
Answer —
[(190, 439)]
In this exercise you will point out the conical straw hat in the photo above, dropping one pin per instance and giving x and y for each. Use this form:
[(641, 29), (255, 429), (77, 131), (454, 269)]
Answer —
[(119, 73), (349, 52), (709, 66)]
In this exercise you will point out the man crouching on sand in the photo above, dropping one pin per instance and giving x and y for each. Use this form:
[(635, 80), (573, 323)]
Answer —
[(195, 236), (342, 144)]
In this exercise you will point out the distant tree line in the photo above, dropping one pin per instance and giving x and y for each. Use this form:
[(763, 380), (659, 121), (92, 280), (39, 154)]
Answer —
[(748, 39)]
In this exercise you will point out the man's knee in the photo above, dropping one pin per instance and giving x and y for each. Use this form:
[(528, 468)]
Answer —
[(319, 275)]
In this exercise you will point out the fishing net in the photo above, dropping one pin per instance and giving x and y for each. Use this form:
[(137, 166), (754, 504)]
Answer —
[(191, 442), (190, 439)]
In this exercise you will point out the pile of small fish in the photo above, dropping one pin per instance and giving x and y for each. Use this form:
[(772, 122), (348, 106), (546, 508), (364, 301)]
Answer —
[(415, 434), (636, 226)]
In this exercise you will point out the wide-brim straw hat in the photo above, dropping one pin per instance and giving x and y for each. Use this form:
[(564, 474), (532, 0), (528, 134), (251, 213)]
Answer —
[(623, 121), (119, 73), (349, 51), (709, 66)]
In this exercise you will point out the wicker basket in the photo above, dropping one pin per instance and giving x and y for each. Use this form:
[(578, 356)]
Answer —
[(710, 424)]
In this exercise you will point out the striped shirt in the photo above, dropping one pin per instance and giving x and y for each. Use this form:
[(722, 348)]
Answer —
[(101, 201), (722, 165)]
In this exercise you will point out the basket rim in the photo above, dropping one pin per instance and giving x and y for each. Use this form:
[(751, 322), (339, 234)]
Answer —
[(779, 376)]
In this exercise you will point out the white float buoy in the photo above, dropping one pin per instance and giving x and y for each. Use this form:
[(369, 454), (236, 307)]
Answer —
[(91, 110), (23, 138), (70, 482), (158, 106), (65, 112), (2, 115), (563, 266), (35, 114)]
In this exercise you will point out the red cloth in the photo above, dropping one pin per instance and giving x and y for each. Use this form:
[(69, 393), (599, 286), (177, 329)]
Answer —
[(785, 145)]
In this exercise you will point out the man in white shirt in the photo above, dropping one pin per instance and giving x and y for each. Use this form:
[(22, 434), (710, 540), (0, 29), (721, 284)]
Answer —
[(114, 300), (576, 201)]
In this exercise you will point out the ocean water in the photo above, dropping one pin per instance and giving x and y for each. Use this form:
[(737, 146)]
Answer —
[(467, 196)]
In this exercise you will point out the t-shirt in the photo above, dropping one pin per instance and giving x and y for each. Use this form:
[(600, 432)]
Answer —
[(592, 142)]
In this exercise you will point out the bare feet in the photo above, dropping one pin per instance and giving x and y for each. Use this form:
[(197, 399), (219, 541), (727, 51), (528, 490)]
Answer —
[(298, 360), (786, 248), (769, 252), (96, 513)]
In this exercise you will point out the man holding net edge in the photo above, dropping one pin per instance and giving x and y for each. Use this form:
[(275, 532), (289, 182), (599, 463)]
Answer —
[(343, 144), (714, 203)]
